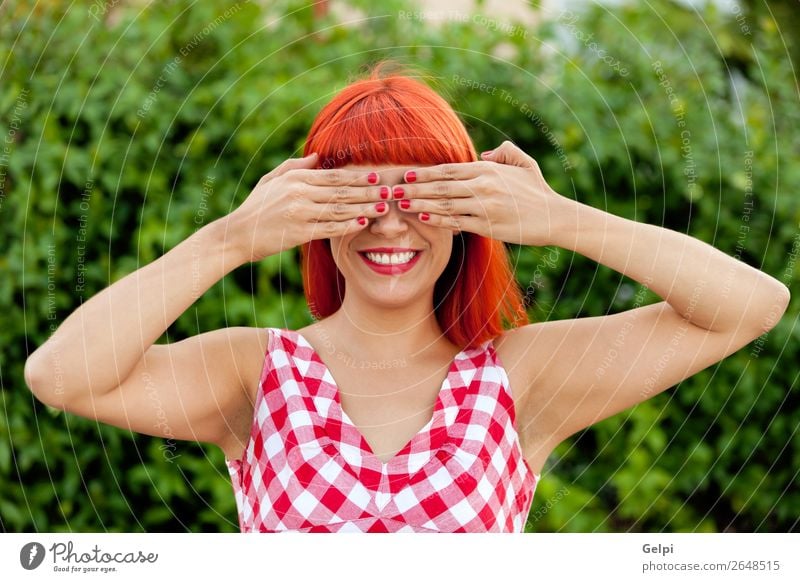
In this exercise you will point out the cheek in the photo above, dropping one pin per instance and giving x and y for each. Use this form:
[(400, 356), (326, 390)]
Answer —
[(338, 246), (444, 249)]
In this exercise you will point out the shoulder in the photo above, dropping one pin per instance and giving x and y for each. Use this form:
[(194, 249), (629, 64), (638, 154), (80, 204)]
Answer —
[(247, 349), (526, 354), (519, 351), (523, 355)]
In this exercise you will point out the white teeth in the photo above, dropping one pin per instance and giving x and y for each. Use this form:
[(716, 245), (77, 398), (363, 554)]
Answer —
[(393, 259)]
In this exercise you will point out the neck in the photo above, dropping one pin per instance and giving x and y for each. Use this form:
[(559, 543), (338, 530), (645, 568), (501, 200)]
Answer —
[(383, 332)]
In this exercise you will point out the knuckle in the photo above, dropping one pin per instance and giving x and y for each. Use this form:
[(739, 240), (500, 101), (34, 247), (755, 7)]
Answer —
[(339, 208), (490, 206), (483, 184), (302, 191), (342, 193), (442, 189), (329, 228), (335, 177), (476, 184), (302, 212), (446, 204), (292, 174)]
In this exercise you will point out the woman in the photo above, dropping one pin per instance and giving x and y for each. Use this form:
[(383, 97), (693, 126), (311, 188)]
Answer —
[(421, 399)]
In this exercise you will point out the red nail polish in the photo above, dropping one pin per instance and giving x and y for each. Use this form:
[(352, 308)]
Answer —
[(372, 178), (424, 216), (380, 206), (411, 176), (385, 192), (399, 192), (405, 204), (362, 220)]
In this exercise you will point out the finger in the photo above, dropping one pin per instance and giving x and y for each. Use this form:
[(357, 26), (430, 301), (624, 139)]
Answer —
[(438, 189), (307, 162), (333, 229), (465, 206), (453, 222), (346, 194), (341, 211), (458, 171), (337, 177), (509, 153)]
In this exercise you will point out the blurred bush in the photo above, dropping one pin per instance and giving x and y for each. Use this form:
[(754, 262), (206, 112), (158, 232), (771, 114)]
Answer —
[(127, 127)]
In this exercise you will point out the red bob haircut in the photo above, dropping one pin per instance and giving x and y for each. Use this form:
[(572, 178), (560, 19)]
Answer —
[(395, 119)]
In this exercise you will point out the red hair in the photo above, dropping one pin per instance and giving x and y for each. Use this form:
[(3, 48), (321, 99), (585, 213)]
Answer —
[(398, 120)]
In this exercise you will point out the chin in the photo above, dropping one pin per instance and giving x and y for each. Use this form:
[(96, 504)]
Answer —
[(392, 297)]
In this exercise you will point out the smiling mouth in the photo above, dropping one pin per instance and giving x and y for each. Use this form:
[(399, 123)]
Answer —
[(389, 259), (404, 261)]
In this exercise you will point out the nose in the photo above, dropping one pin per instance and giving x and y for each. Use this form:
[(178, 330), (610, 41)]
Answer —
[(394, 221)]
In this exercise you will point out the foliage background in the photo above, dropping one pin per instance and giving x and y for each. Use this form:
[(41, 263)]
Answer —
[(719, 452)]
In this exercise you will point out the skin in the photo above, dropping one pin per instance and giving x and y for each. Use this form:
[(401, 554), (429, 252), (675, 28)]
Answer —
[(102, 361)]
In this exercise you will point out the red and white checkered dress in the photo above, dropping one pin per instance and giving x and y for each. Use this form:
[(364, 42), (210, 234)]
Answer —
[(308, 468)]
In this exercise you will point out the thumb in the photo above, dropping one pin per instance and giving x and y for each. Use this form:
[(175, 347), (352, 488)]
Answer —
[(508, 153), (308, 162), (305, 163)]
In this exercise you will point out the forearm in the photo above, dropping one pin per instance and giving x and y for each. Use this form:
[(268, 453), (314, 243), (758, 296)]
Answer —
[(97, 346), (709, 288)]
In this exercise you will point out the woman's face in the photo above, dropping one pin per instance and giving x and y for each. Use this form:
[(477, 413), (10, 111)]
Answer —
[(400, 284)]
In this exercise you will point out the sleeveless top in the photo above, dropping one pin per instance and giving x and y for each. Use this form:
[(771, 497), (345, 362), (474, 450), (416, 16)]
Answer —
[(307, 467)]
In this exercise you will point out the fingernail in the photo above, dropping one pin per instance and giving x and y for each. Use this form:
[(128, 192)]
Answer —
[(385, 192), (362, 220), (399, 192), (380, 206), (424, 216), (372, 178), (405, 204), (411, 176)]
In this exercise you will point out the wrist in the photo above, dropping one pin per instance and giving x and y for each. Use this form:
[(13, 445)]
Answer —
[(566, 216), (223, 238)]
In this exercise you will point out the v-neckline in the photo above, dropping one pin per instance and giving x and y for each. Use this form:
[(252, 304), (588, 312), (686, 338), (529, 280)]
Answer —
[(365, 445)]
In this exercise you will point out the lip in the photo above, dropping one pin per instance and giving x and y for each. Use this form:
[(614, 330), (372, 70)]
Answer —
[(388, 250), (390, 269)]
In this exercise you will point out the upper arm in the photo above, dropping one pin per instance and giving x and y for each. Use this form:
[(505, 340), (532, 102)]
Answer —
[(197, 389), (581, 371)]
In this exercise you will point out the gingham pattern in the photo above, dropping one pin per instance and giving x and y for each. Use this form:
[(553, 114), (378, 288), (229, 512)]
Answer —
[(307, 468)]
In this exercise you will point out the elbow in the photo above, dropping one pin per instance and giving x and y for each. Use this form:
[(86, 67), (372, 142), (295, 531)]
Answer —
[(44, 380), (775, 310)]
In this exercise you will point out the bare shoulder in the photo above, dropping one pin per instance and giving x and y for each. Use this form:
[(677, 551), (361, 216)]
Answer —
[(252, 347), (523, 355), (520, 350), (249, 345)]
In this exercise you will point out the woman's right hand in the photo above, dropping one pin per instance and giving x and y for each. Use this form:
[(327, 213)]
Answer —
[(296, 203)]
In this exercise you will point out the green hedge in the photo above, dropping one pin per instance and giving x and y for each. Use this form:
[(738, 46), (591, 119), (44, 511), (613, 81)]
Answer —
[(104, 165)]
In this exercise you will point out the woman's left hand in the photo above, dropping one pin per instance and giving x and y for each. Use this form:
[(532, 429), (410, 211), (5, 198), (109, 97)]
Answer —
[(504, 197)]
